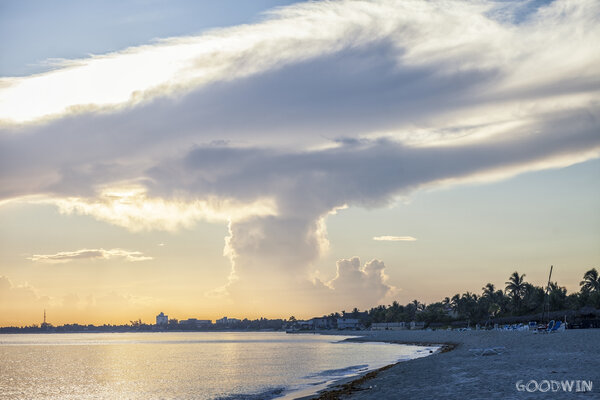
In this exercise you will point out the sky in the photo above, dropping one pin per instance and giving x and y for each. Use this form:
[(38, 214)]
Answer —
[(276, 158)]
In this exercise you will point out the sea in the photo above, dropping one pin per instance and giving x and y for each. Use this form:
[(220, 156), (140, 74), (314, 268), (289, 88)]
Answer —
[(185, 365)]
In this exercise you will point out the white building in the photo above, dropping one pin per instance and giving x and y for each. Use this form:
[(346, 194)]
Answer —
[(162, 319)]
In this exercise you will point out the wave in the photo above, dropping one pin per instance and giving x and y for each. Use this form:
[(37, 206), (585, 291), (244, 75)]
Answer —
[(267, 394), (340, 371)]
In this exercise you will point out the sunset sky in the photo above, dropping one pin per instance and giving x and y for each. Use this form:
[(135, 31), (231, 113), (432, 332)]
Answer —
[(275, 158)]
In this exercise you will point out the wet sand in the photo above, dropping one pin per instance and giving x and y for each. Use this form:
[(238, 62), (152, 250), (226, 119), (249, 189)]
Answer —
[(462, 373)]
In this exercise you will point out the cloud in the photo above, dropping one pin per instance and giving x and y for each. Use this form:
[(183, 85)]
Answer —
[(395, 238), (120, 79), (16, 293), (20, 302), (131, 208), (370, 281), (273, 125), (90, 254), (375, 69)]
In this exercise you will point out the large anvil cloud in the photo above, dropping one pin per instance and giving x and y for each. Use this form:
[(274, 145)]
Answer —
[(274, 125)]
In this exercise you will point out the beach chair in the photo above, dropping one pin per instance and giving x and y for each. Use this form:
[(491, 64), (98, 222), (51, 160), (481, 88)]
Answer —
[(520, 327), (556, 326)]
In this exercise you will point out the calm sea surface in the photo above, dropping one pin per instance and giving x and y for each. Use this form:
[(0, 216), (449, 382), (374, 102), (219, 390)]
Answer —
[(173, 365)]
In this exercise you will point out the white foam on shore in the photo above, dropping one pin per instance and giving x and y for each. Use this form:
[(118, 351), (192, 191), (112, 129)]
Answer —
[(336, 377)]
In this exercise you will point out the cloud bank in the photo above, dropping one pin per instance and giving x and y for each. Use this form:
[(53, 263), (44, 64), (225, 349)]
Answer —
[(19, 302), (89, 254), (322, 105), (395, 238)]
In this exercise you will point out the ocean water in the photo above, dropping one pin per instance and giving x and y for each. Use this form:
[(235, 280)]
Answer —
[(177, 365)]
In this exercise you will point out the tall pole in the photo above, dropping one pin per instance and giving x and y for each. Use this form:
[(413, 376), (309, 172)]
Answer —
[(548, 292), (44, 316)]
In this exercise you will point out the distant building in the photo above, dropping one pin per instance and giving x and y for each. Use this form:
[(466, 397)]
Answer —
[(305, 325), (388, 326), (196, 323), (300, 325), (347, 323), (322, 323), (227, 321), (417, 325), (162, 319)]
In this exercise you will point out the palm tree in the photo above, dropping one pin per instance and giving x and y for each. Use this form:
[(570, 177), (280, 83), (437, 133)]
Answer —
[(489, 290), (488, 301), (515, 284), (532, 298), (590, 282), (418, 305), (557, 296), (515, 287), (455, 302)]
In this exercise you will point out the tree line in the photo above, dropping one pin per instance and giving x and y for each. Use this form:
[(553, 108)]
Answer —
[(519, 298)]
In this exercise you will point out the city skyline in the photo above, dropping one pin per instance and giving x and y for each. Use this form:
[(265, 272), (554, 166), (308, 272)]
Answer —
[(282, 156)]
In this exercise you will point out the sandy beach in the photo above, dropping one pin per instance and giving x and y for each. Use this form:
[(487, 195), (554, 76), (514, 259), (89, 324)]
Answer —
[(463, 373)]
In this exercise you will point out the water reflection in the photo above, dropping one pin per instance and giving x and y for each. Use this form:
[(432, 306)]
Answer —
[(196, 365)]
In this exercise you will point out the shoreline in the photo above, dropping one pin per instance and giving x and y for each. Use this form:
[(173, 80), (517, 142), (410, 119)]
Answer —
[(459, 371), (348, 385), (344, 386), (352, 385)]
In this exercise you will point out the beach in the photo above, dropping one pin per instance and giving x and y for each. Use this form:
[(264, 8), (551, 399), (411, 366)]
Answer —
[(460, 371)]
